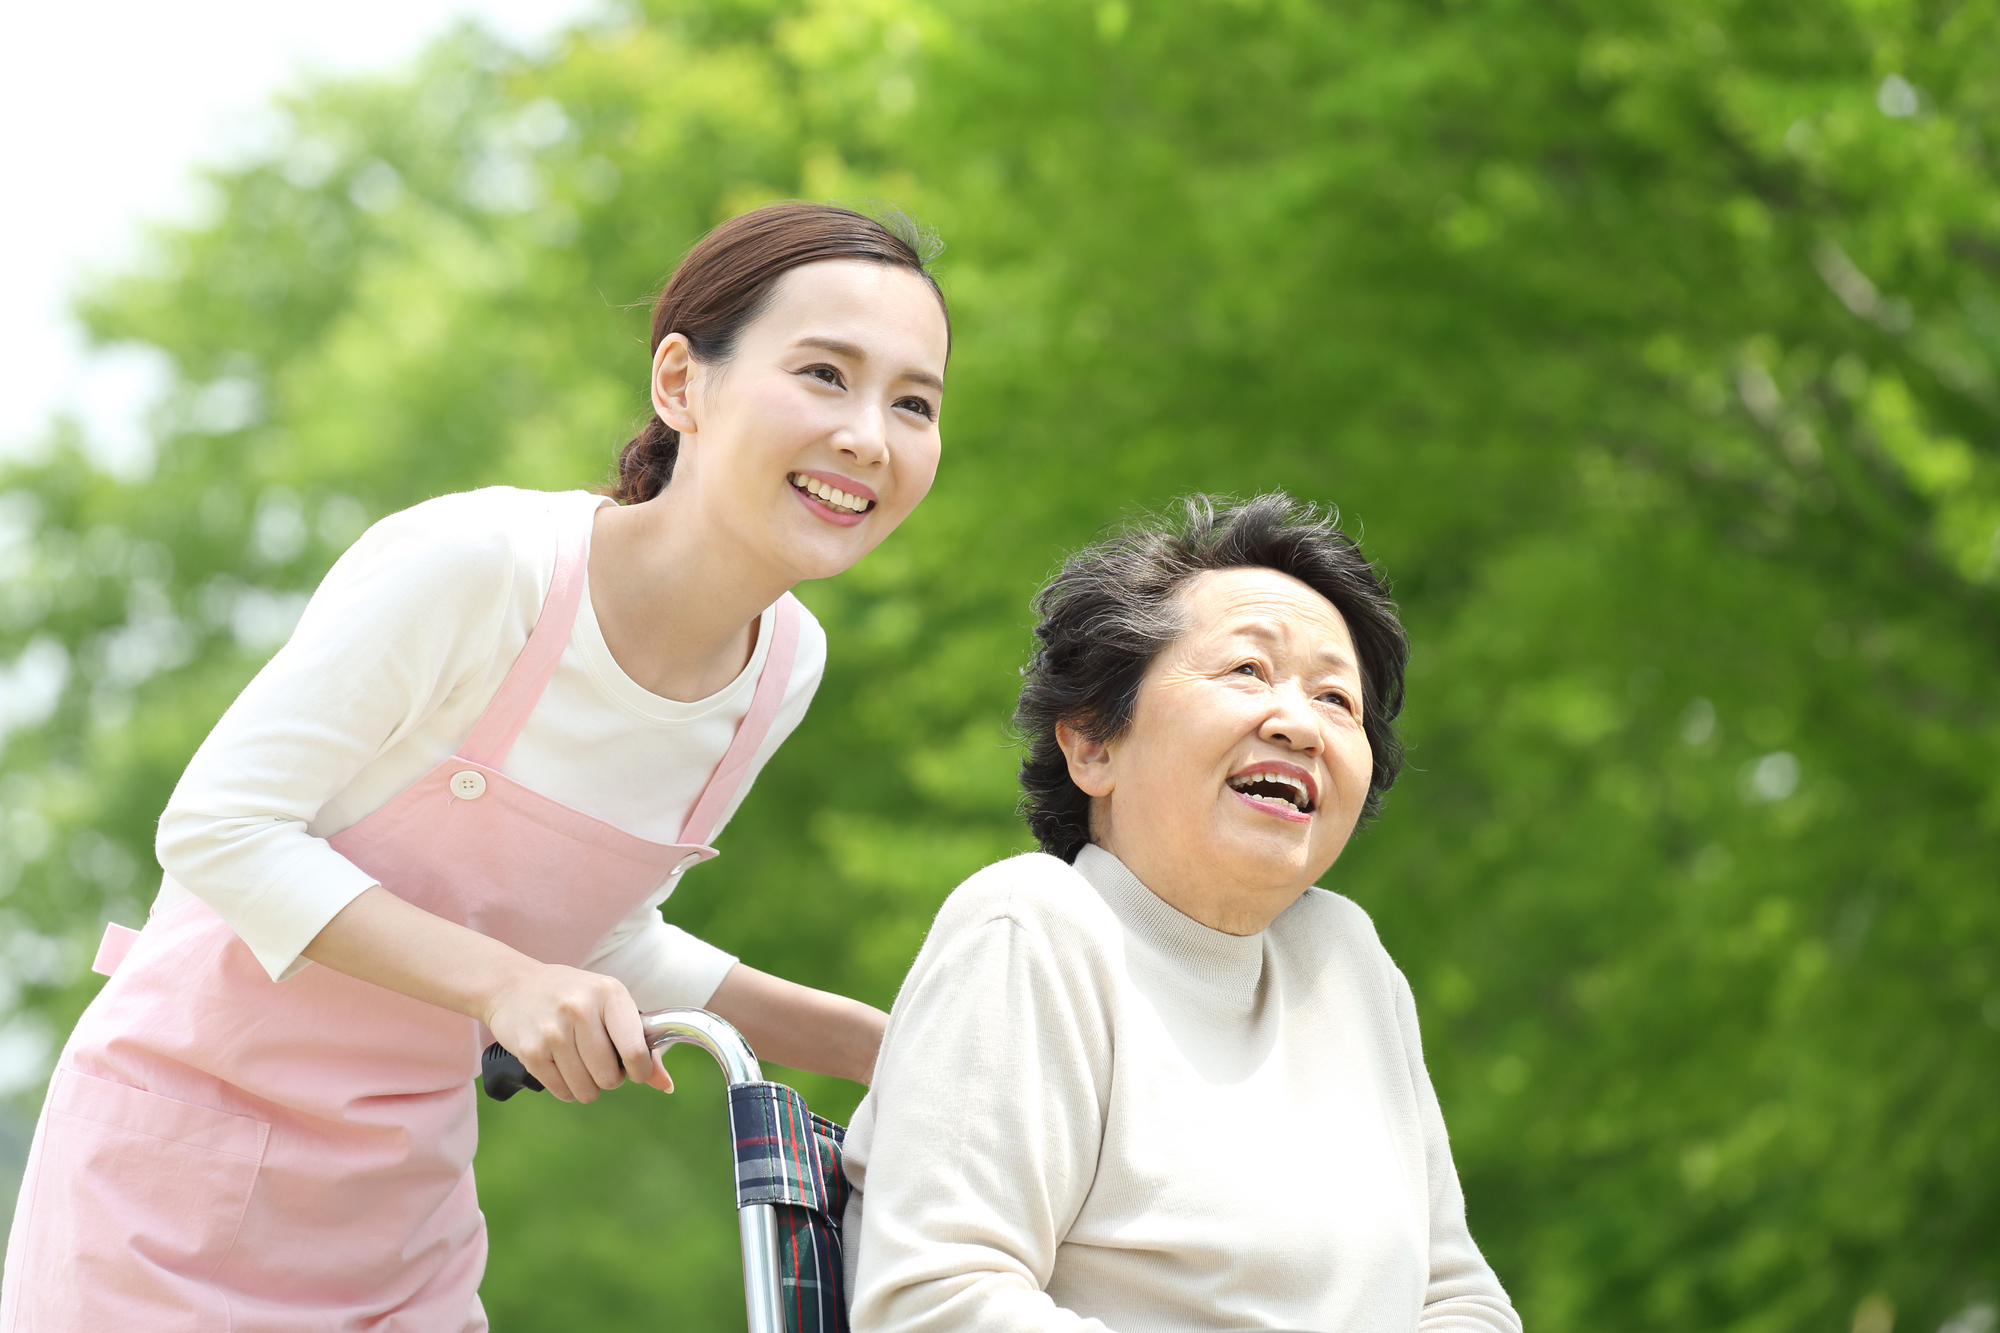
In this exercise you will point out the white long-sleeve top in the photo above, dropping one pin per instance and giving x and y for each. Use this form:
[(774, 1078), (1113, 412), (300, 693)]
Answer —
[(1093, 1113), (398, 653)]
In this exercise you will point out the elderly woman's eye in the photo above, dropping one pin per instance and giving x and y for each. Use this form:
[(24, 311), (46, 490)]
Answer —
[(1246, 669), (1338, 700)]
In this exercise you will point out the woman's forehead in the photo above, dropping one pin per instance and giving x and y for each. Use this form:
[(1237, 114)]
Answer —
[(855, 299), (1267, 606)]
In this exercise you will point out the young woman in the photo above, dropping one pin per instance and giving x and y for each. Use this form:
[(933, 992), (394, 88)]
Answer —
[(505, 726)]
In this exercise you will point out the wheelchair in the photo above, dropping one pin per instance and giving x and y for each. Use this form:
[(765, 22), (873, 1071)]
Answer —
[(790, 1191)]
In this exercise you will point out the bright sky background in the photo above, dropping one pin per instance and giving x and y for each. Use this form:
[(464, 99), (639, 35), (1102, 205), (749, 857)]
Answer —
[(105, 106)]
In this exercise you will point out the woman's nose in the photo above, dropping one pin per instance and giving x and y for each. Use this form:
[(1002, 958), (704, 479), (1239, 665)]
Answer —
[(1292, 722), (866, 438)]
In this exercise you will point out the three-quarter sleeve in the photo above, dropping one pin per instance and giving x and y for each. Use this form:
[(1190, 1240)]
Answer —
[(409, 615), (994, 1126), (662, 965), (1463, 1292)]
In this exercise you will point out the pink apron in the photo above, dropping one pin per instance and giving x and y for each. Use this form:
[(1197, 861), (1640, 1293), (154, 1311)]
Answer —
[(221, 1152)]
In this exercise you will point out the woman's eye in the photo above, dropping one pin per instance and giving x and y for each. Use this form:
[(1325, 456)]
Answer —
[(825, 375), (1338, 700), (919, 406), (1246, 669)]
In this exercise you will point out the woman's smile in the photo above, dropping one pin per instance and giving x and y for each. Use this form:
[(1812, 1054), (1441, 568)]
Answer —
[(837, 499), (1281, 790)]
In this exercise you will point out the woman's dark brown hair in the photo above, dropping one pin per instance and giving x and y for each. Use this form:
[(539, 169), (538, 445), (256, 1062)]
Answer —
[(727, 280), (1113, 606)]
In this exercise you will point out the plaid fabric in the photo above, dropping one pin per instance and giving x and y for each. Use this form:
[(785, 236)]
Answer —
[(789, 1157)]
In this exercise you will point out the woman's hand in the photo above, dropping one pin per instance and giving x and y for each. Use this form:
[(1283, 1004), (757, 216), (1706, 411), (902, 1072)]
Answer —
[(576, 1031)]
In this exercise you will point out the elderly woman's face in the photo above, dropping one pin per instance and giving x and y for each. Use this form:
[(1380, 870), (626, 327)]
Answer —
[(1245, 766)]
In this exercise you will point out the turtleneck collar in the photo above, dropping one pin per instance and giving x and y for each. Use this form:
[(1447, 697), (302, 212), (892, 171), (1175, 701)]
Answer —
[(1226, 967)]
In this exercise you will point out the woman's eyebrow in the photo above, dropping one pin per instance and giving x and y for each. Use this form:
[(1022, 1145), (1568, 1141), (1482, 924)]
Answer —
[(855, 352), (1332, 660)]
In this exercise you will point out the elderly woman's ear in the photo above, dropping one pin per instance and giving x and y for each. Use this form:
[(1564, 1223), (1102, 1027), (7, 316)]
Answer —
[(1090, 766)]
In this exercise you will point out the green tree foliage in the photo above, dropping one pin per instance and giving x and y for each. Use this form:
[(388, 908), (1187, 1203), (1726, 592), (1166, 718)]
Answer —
[(1653, 346)]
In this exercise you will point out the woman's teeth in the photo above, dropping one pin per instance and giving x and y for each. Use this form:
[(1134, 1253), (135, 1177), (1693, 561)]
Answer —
[(831, 496), (1273, 787)]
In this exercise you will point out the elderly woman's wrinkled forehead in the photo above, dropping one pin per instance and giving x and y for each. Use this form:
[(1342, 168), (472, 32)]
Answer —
[(1223, 609)]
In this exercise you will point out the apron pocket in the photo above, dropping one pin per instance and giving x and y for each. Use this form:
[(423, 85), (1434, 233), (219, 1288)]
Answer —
[(131, 1203)]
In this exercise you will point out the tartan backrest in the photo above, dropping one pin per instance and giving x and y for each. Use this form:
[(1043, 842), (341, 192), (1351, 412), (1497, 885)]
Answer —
[(790, 1158)]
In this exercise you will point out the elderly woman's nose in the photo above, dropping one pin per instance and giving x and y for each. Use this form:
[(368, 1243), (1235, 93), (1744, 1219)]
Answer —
[(1292, 722)]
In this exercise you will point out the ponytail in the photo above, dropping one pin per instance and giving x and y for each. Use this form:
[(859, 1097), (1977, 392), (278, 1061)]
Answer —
[(646, 463)]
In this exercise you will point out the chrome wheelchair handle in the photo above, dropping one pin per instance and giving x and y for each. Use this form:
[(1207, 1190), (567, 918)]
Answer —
[(757, 1224), (698, 1027), (502, 1073)]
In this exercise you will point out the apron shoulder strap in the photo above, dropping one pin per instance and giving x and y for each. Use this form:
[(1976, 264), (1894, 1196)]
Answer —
[(501, 723), (750, 733)]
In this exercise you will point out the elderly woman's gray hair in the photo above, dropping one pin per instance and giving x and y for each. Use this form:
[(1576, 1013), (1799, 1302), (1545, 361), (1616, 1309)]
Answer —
[(1113, 606)]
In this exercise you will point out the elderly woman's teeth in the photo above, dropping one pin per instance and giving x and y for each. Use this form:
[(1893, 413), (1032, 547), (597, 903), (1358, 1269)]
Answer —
[(832, 496), (1272, 787)]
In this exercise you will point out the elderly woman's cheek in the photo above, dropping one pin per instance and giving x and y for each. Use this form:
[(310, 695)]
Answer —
[(1355, 761)]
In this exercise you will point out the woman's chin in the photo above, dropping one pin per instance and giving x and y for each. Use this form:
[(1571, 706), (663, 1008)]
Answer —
[(820, 551), (1275, 853)]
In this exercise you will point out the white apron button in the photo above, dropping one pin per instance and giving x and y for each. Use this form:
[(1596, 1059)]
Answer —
[(468, 786)]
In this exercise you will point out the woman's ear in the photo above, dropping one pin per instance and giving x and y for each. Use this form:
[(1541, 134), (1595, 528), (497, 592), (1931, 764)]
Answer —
[(1089, 760), (673, 379)]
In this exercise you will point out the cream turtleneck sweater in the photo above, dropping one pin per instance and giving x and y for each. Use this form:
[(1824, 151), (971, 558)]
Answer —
[(1094, 1113)]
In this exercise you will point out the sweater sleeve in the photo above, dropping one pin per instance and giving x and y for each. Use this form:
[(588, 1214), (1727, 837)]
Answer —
[(662, 965), (985, 1134), (410, 614), (1463, 1294)]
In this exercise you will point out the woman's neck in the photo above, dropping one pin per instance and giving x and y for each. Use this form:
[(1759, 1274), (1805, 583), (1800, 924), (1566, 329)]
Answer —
[(676, 598)]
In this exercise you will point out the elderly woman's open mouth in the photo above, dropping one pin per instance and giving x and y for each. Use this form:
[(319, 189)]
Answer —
[(1280, 789)]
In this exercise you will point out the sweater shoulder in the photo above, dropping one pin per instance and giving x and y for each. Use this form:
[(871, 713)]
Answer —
[(469, 530), (1042, 894), (466, 552), (1326, 923)]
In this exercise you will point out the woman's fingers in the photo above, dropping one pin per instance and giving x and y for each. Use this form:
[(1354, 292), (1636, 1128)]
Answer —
[(604, 1066), (628, 1035), (538, 1051), (577, 1084), (556, 1045)]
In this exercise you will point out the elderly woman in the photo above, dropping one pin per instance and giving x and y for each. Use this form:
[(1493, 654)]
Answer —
[(1151, 1078)]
